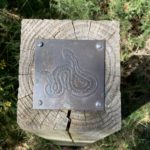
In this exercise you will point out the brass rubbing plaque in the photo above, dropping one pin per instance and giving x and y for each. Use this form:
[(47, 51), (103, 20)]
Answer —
[(69, 74)]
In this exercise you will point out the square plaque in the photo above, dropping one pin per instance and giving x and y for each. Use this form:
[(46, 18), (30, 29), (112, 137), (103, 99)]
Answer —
[(69, 74)]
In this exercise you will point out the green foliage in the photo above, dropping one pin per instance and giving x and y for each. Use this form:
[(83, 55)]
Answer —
[(45, 144), (9, 43), (76, 9), (134, 17), (3, 3)]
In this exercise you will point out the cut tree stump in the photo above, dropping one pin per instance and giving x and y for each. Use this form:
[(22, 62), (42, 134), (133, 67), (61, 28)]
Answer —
[(69, 127)]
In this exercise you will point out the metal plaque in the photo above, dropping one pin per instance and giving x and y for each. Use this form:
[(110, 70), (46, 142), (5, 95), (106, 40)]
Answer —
[(69, 74)]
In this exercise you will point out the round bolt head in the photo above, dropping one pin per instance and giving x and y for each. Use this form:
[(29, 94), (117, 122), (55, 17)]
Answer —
[(98, 104), (40, 102), (98, 46), (40, 44)]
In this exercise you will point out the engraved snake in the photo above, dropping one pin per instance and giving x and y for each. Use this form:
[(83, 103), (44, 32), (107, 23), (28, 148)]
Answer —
[(70, 77)]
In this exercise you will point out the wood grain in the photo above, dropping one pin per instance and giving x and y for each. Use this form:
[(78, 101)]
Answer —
[(80, 127)]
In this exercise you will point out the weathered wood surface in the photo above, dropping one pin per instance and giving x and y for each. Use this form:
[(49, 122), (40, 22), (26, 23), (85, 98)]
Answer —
[(78, 127)]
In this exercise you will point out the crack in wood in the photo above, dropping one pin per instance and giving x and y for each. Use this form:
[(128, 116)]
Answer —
[(111, 35), (68, 126), (89, 29), (74, 30)]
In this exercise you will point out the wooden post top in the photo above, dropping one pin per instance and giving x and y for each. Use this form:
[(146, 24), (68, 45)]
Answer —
[(69, 127)]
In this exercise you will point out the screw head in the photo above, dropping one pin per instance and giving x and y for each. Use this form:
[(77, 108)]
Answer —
[(98, 104), (98, 46), (40, 102), (40, 44)]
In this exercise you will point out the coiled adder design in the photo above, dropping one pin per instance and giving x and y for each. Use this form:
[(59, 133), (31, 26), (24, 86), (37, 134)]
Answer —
[(70, 77)]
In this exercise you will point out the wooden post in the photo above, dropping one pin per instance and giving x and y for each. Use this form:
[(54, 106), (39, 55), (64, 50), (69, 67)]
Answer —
[(69, 127)]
